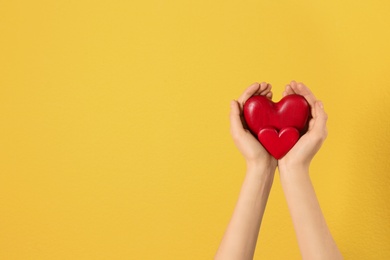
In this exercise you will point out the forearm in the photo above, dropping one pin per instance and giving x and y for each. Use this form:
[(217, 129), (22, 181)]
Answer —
[(240, 238), (314, 238)]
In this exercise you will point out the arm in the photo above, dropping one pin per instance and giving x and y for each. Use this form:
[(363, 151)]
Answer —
[(314, 238), (239, 240)]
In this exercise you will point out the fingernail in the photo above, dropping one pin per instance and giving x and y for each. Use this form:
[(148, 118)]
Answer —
[(320, 104)]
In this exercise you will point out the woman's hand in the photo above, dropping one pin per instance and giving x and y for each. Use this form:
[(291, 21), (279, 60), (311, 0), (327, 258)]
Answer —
[(253, 152), (314, 238), (309, 144), (240, 238)]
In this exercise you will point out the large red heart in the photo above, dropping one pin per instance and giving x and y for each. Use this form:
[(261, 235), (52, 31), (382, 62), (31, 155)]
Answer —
[(278, 126)]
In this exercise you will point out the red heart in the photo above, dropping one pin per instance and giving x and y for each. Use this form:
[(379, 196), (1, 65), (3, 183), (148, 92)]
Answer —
[(292, 111), (278, 144)]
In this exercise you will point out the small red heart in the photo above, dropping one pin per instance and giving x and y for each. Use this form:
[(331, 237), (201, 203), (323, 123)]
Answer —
[(292, 111), (278, 144)]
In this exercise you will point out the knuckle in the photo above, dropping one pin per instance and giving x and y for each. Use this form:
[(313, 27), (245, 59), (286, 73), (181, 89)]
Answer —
[(236, 136), (325, 116), (320, 136), (323, 135)]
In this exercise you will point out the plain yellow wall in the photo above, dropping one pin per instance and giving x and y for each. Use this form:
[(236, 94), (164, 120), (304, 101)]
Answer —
[(114, 132)]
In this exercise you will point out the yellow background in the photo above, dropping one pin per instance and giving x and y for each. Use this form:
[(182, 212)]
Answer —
[(114, 132)]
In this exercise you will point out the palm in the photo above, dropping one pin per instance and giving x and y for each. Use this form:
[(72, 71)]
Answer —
[(246, 143), (309, 144)]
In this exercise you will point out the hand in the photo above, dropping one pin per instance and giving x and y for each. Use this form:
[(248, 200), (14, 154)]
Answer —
[(240, 238), (253, 152), (309, 144), (313, 235)]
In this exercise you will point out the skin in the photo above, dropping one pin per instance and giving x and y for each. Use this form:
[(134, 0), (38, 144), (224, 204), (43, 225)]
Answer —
[(314, 238), (239, 241)]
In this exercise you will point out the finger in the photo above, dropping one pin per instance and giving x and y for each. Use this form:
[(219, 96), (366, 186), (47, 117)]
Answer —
[(264, 88), (269, 95), (301, 89), (288, 91), (320, 120), (248, 93), (293, 84), (236, 127), (311, 124)]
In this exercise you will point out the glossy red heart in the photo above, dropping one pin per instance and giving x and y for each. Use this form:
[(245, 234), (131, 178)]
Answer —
[(278, 144), (261, 113)]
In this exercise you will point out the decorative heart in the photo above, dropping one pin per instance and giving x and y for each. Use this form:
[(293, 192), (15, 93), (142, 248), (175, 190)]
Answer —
[(291, 112), (278, 144)]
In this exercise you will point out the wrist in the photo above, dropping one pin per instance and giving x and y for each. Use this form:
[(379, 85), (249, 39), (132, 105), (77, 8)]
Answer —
[(286, 165), (288, 171), (261, 168)]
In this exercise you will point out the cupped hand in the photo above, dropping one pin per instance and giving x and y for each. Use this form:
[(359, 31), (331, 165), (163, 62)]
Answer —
[(309, 144), (253, 152)]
